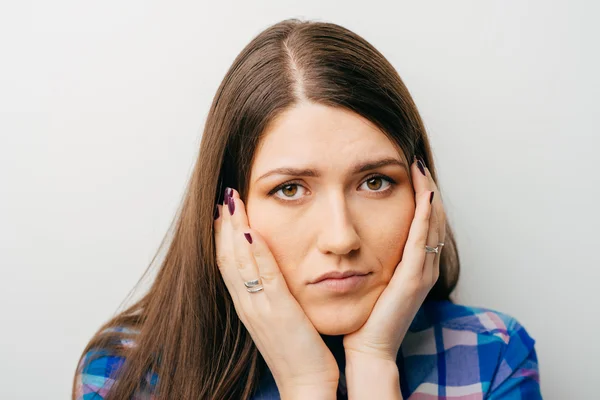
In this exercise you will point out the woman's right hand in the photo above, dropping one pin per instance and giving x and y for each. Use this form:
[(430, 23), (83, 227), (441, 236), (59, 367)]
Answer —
[(301, 364)]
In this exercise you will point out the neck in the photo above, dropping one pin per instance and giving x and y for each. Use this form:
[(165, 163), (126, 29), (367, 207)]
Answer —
[(336, 346)]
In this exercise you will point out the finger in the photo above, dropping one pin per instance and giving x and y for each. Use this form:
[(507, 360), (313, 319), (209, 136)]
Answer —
[(423, 183), (246, 265), (419, 173), (413, 258), (436, 220), (432, 260), (224, 253), (437, 228), (438, 204), (276, 288)]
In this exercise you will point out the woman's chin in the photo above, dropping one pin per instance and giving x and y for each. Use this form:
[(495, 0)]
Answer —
[(329, 320)]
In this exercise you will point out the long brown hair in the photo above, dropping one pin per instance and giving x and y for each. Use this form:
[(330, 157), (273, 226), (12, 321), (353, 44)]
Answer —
[(188, 332)]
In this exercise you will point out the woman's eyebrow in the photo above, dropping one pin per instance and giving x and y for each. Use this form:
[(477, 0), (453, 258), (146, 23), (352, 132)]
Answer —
[(357, 168)]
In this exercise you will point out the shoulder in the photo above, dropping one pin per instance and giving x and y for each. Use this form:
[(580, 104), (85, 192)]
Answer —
[(469, 350), (98, 369), (469, 319), (468, 325)]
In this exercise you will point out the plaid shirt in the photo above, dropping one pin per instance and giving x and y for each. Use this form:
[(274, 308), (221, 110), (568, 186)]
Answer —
[(450, 351)]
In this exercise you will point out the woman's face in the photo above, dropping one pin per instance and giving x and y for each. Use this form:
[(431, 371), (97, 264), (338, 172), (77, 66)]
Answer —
[(334, 218)]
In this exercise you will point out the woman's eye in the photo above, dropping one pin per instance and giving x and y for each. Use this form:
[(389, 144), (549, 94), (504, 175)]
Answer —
[(288, 190), (375, 183)]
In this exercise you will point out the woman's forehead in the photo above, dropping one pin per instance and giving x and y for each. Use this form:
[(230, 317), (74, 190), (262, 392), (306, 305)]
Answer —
[(316, 134)]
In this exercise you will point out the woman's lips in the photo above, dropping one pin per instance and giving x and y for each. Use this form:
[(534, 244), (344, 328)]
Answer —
[(342, 285)]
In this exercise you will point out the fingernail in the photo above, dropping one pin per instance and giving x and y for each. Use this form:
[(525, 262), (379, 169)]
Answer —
[(421, 167), (431, 197), (248, 237), (231, 206), (216, 212), (226, 197)]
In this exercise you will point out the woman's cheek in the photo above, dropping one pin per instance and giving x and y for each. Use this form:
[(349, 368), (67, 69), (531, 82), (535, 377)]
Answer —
[(394, 246)]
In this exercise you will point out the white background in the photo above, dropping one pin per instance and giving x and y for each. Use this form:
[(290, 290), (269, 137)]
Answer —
[(102, 105)]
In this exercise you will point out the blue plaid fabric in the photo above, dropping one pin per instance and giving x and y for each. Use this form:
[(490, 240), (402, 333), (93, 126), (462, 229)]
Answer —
[(450, 352)]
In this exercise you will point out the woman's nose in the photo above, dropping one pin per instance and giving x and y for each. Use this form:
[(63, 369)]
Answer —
[(338, 233)]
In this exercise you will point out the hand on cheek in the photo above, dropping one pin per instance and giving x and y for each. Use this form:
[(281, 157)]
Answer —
[(381, 336), (292, 348)]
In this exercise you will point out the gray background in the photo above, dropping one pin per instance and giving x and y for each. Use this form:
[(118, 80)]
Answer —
[(102, 107)]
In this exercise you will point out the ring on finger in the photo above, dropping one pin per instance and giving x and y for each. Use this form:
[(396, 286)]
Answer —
[(253, 286), (429, 249), (252, 283), (255, 289)]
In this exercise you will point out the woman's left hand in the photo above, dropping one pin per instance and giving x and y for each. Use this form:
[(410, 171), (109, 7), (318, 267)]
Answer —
[(381, 336)]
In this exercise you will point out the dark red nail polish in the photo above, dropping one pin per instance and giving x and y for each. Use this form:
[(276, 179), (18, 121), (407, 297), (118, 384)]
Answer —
[(231, 206), (216, 212), (248, 237), (421, 167), (431, 197), (226, 197)]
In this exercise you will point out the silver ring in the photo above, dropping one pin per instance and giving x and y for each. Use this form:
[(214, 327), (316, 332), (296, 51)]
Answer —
[(255, 289), (431, 249), (251, 284)]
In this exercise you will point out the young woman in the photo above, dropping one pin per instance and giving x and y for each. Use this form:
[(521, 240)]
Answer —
[(326, 266)]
